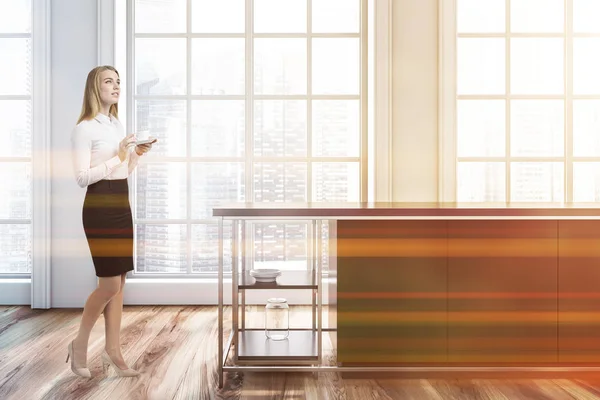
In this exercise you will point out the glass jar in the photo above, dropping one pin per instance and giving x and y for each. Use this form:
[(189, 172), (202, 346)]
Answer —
[(277, 319)]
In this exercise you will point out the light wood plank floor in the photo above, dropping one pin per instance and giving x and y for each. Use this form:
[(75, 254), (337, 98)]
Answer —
[(174, 347)]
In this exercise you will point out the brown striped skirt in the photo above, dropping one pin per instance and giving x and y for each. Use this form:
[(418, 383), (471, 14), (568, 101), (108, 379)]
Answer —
[(108, 226)]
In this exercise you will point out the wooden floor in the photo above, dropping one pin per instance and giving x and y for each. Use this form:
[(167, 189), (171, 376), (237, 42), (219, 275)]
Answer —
[(174, 348)]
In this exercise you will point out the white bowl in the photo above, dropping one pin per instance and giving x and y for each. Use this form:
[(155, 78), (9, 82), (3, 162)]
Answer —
[(265, 274)]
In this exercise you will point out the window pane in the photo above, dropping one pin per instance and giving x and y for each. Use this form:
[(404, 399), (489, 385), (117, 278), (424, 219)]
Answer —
[(160, 66), (277, 182), (336, 128), (15, 249), (336, 66), (218, 128), (481, 181), (15, 16), (15, 191), (336, 16), (476, 16), (280, 66), (280, 16), (537, 66), (586, 126), (214, 184), (537, 181), (586, 66), (281, 246), (480, 66), (161, 191), (161, 248), (585, 16), (336, 181), (280, 128), (537, 128), (540, 16), (165, 16), (218, 66), (15, 66), (15, 128), (586, 181), (205, 248), (481, 128), (164, 120), (222, 16)]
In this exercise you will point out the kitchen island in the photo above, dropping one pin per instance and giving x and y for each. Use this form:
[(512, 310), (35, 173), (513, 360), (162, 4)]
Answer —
[(436, 286)]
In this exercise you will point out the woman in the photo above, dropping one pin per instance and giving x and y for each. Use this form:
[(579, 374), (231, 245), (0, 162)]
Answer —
[(103, 158)]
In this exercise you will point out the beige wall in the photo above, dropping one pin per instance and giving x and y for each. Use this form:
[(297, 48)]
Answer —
[(415, 100)]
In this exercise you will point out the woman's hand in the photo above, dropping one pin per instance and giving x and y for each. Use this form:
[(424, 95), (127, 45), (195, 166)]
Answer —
[(142, 149), (124, 146)]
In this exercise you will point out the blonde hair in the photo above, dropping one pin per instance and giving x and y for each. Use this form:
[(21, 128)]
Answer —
[(91, 95)]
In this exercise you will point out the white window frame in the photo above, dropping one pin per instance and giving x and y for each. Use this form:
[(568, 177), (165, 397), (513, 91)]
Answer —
[(34, 288), (250, 159), (382, 97), (447, 100), (196, 289), (448, 156)]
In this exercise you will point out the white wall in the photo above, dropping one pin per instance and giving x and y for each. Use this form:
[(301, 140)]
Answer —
[(415, 100), (74, 54), (15, 292)]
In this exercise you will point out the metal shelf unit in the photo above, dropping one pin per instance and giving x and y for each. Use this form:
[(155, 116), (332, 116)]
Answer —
[(248, 348)]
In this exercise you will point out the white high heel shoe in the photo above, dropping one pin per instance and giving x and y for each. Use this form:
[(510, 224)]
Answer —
[(83, 372), (108, 362)]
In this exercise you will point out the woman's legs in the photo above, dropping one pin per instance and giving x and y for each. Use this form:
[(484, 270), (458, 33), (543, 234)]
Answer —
[(112, 319), (107, 288)]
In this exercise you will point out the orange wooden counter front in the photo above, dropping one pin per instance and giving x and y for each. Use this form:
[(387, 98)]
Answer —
[(468, 291)]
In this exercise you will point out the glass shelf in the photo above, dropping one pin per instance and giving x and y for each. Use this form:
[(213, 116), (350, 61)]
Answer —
[(287, 280), (301, 345)]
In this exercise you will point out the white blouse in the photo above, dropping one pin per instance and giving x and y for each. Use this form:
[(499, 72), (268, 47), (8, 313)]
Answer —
[(95, 147)]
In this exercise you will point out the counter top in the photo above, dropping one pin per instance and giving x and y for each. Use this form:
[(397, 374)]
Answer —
[(408, 210)]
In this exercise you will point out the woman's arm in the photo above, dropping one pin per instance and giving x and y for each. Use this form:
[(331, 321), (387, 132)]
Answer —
[(134, 158), (81, 151)]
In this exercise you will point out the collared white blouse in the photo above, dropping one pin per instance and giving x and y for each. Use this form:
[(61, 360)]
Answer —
[(95, 147)]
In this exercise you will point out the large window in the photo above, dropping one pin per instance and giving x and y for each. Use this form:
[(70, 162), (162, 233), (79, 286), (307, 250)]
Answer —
[(16, 121), (527, 100), (252, 101)]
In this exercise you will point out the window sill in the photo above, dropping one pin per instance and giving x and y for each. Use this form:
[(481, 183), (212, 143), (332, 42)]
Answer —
[(15, 280)]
